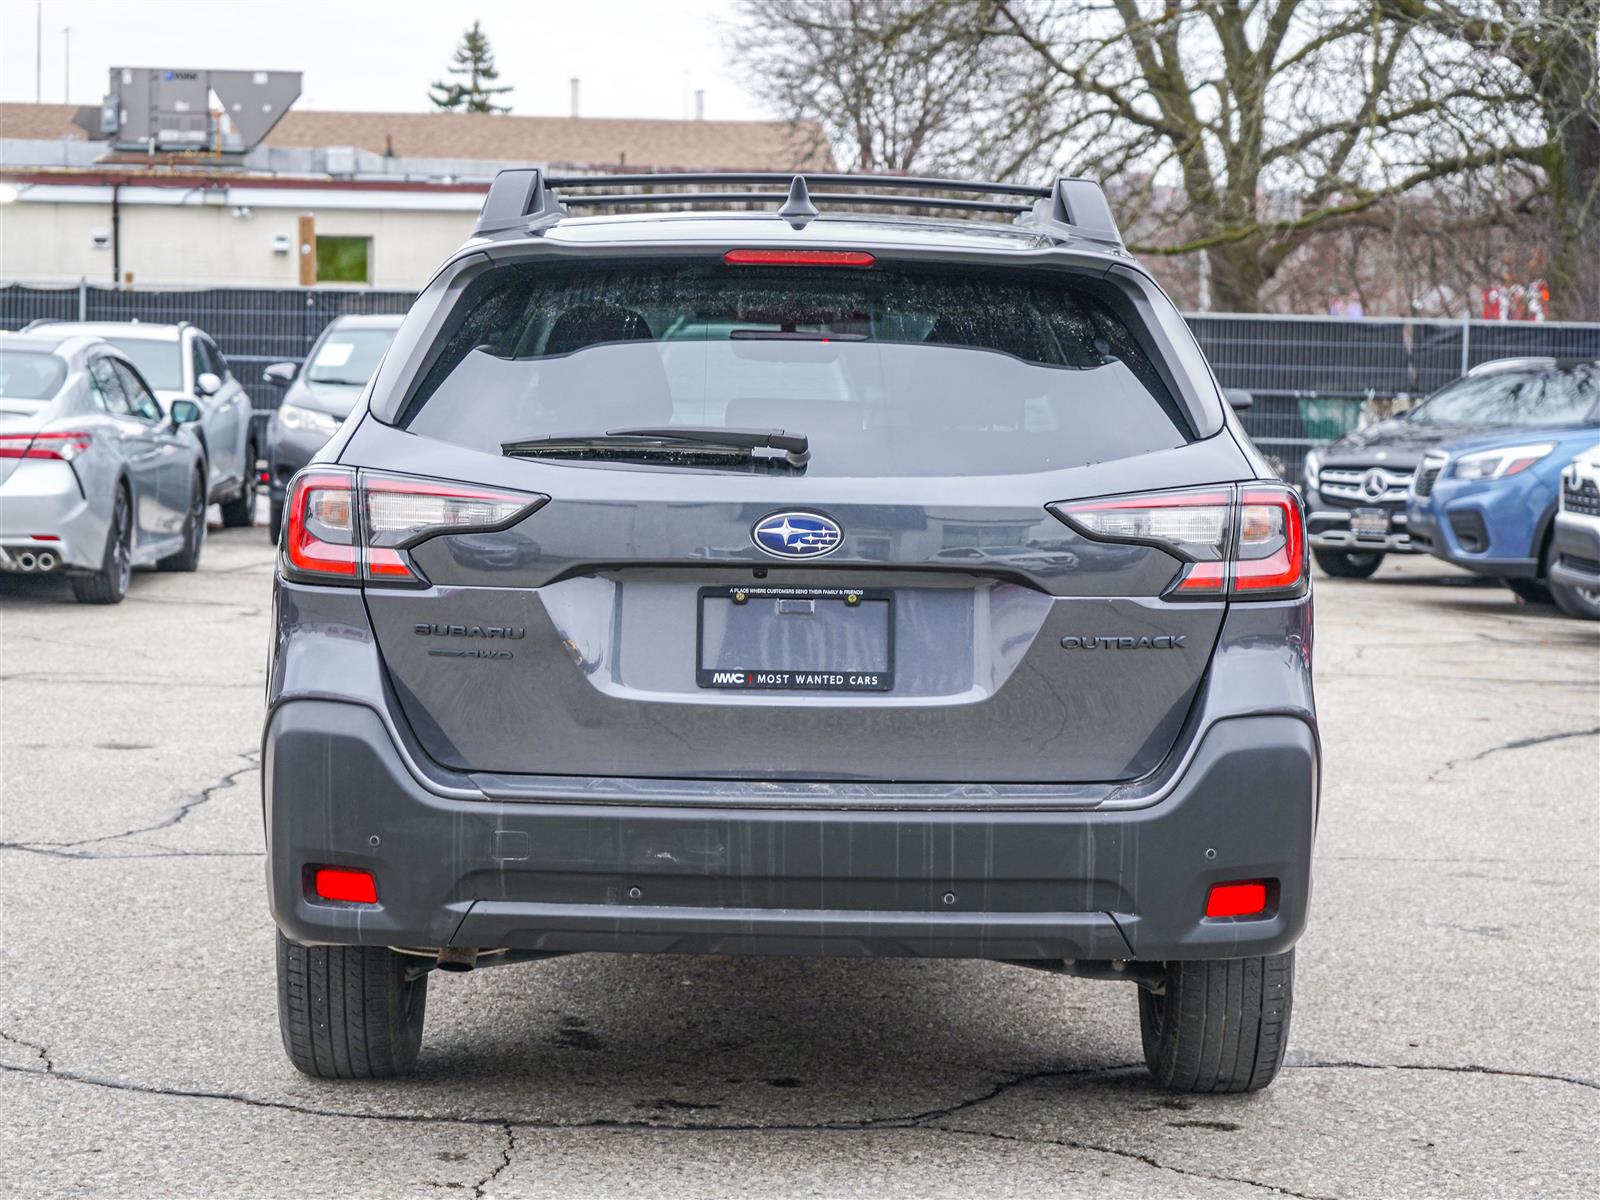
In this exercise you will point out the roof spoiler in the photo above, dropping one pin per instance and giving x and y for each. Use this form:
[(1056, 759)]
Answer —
[(524, 197)]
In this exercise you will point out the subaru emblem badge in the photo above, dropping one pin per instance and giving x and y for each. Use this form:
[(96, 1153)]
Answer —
[(797, 535)]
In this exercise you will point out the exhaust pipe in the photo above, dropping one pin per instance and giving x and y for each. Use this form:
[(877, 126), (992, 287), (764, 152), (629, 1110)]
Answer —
[(46, 561), (27, 561), (457, 959)]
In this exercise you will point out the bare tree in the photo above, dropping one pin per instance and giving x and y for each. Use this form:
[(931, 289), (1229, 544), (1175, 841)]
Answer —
[(1256, 124), (897, 85), (1539, 55)]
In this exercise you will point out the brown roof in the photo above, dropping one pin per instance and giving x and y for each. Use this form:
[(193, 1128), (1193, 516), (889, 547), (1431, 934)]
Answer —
[(639, 144)]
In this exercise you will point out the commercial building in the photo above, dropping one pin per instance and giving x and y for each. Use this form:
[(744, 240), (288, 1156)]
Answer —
[(345, 198)]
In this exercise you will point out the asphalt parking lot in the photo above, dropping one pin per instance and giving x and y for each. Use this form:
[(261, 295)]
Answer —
[(1445, 1037)]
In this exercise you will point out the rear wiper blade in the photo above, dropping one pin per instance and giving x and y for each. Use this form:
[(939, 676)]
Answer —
[(665, 440)]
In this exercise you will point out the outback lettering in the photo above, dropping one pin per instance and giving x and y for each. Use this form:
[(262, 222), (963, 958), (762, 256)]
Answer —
[(1165, 641)]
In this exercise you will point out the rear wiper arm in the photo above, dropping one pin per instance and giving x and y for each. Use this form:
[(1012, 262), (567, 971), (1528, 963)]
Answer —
[(671, 439)]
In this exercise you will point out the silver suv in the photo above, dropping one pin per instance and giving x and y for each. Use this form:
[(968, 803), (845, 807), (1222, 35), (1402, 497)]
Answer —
[(792, 582)]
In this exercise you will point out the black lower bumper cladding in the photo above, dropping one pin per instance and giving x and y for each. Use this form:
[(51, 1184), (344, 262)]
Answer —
[(681, 878)]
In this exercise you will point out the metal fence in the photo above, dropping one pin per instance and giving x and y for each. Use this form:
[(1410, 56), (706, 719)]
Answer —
[(1311, 376)]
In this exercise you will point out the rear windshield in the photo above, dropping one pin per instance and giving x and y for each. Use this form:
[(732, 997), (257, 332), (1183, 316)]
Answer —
[(885, 370), (1525, 398), (161, 363), (30, 375)]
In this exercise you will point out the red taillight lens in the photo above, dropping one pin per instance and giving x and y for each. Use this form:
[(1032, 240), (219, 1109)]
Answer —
[(1247, 543), (343, 526), (320, 532), (344, 885), (1246, 898), (798, 258), (1271, 558), (65, 446)]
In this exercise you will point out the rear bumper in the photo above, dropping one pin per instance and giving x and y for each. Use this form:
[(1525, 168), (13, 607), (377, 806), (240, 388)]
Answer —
[(43, 511), (698, 878)]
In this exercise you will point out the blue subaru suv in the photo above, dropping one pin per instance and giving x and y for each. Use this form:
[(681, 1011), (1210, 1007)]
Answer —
[(1488, 503)]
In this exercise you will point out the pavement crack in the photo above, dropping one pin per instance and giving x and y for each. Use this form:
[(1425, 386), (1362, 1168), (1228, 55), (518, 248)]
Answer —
[(252, 762), (1513, 744), (1456, 1069), (506, 1151), (1148, 1160), (42, 1052)]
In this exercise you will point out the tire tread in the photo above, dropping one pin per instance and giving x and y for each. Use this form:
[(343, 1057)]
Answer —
[(1221, 1026), (343, 1010)]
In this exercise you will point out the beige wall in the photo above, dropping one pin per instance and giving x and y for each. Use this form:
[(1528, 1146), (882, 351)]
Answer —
[(51, 242)]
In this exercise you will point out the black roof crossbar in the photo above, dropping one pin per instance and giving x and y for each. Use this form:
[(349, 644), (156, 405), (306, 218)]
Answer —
[(684, 198), (521, 197)]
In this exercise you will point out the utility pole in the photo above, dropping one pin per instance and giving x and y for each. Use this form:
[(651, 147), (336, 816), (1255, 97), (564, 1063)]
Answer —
[(66, 65)]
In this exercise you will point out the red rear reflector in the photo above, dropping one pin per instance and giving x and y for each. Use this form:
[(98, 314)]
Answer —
[(798, 258), (351, 887), (1244, 899)]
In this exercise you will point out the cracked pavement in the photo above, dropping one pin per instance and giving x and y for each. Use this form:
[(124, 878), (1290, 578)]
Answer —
[(1444, 1038)]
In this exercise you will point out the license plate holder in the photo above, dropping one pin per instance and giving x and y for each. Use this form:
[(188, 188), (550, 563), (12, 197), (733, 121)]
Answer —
[(1369, 523), (831, 639)]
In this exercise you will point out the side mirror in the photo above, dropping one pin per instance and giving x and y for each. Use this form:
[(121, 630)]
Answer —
[(183, 412), (281, 374), (1238, 398), (207, 384)]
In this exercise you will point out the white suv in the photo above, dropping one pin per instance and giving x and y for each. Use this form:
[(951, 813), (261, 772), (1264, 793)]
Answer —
[(181, 362), (1575, 572)]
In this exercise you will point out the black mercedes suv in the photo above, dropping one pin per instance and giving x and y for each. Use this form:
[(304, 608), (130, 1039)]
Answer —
[(792, 580)]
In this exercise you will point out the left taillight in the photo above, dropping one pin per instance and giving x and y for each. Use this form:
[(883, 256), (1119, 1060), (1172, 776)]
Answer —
[(1246, 542), (344, 526), (66, 445)]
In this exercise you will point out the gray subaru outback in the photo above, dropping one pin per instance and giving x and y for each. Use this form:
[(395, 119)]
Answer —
[(782, 579)]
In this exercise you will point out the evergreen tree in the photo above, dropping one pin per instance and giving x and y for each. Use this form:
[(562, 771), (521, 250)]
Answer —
[(474, 63)]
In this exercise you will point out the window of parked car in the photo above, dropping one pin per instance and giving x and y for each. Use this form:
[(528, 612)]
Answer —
[(140, 400), (201, 354), (899, 369), (105, 385), (160, 362), (30, 375), (1530, 398)]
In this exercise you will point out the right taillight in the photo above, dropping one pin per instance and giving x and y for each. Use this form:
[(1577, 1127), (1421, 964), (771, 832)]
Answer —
[(1246, 542), (344, 526)]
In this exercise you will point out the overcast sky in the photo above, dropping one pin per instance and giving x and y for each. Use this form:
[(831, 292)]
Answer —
[(637, 58)]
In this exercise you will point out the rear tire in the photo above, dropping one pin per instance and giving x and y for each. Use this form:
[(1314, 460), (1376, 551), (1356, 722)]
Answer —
[(194, 531), (240, 512), (274, 520), (109, 584), (1221, 1026), (1348, 564), (1583, 603), (350, 1012)]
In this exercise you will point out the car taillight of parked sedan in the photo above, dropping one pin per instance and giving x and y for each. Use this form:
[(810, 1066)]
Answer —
[(65, 446)]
